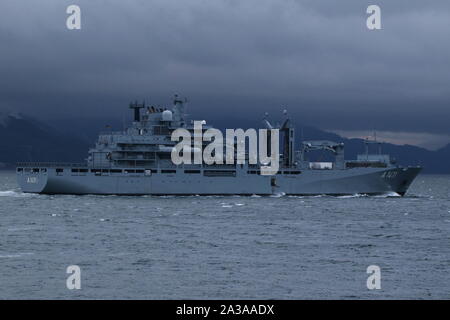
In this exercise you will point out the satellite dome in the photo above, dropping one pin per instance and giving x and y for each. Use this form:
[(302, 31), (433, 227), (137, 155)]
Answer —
[(167, 115)]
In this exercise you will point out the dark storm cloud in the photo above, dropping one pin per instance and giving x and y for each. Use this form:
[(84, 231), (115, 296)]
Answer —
[(317, 58)]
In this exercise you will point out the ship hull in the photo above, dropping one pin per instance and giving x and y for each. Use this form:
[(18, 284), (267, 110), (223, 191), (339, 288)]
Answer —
[(308, 182)]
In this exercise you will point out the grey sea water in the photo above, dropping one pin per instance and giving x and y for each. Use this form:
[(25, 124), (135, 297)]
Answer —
[(226, 247)]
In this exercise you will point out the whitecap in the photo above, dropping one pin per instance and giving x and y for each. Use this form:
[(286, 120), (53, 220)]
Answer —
[(356, 195), (9, 255), (391, 194), (22, 229), (15, 194), (278, 195), (15, 255)]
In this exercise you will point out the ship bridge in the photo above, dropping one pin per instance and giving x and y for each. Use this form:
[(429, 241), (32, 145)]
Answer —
[(145, 143)]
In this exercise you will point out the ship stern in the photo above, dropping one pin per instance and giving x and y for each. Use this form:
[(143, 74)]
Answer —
[(31, 180)]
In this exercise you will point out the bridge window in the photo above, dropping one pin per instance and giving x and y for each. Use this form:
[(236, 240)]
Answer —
[(219, 173), (97, 172), (292, 172), (192, 171)]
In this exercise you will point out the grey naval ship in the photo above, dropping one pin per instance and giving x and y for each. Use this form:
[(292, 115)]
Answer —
[(137, 161)]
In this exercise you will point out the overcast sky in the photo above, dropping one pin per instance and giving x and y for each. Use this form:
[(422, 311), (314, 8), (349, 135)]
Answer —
[(235, 57)]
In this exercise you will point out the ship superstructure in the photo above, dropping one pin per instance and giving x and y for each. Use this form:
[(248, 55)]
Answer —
[(137, 161)]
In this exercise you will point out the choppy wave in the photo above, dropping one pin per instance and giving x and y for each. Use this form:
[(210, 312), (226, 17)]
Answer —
[(19, 194), (361, 195), (16, 255), (388, 195), (278, 195), (356, 195), (15, 194), (18, 229)]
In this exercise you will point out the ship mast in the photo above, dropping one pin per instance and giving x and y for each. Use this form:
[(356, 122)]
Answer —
[(288, 141), (137, 110)]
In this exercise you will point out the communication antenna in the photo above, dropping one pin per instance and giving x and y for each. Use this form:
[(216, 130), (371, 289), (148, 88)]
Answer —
[(267, 122)]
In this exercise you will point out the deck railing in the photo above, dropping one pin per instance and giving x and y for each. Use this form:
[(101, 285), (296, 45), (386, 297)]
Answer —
[(51, 164)]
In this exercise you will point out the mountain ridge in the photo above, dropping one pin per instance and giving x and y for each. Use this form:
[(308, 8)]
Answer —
[(23, 138)]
